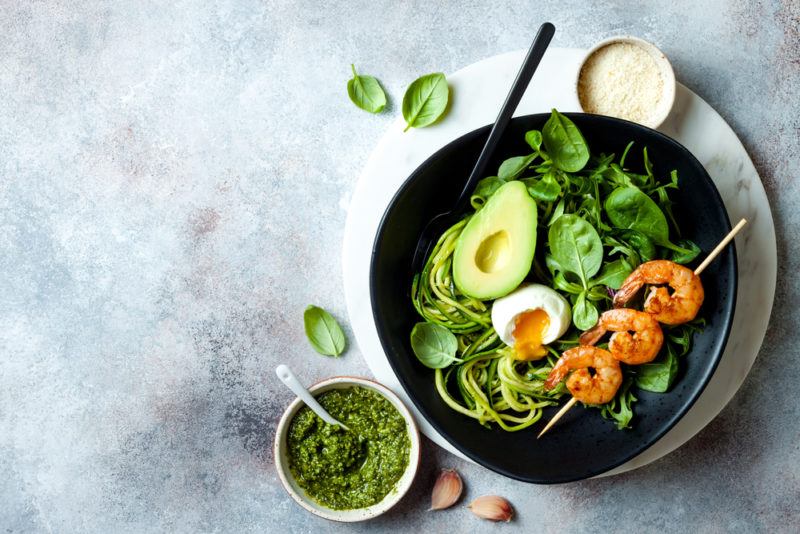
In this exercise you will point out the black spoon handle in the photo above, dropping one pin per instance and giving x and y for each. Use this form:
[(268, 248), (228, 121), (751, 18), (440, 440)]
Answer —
[(535, 53)]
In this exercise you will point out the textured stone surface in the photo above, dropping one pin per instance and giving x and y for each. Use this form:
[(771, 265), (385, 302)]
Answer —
[(174, 179)]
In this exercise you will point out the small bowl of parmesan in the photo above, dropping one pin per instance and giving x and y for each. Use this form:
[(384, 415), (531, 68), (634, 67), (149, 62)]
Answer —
[(627, 78)]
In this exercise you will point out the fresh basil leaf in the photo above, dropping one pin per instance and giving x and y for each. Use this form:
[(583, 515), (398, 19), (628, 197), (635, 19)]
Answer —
[(323, 332), (630, 209), (584, 313), (545, 189), (565, 143), (658, 376), (688, 254), (425, 100), (365, 92), (613, 274), (576, 246), (484, 190), (534, 139), (511, 168), (434, 345)]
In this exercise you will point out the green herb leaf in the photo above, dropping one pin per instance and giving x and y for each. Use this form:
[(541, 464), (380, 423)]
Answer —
[(511, 168), (630, 209), (434, 345), (658, 376), (565, 143), (545, 189), (576, 246), (619, 409), (534, 139), (323, 332), (613, 274), (425, 100), (365, 92), (584, 312), (484, 190), (688, 254)]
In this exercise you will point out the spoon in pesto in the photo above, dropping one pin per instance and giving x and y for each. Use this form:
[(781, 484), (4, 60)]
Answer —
[(287, 377)]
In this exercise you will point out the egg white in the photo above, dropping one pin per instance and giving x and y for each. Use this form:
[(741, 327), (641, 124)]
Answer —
[(531, 297)]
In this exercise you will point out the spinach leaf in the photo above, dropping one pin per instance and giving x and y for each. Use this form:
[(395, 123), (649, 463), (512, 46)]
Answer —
[(484, 190), (534, 139), (565, 143), (425, 100), (658, 376), (545, 189), (689, 252), (557, 212), (323, 332), (576, 246), (365, 92), (511, 168), (434, 345), (630, 209), (613, 274), (584, 312)]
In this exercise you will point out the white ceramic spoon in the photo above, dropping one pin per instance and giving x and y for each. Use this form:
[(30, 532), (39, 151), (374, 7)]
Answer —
[(287, 377)]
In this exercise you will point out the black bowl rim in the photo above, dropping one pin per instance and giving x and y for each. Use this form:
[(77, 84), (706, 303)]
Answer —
[(677, 416)]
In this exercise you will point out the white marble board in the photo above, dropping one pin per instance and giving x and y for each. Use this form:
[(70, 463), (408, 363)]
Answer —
[(478, 90)]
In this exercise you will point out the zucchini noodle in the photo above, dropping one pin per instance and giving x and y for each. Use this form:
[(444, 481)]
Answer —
[(492, 385)]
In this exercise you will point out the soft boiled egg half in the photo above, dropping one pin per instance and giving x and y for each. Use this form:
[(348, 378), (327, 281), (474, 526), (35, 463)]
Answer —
[(530, 318)]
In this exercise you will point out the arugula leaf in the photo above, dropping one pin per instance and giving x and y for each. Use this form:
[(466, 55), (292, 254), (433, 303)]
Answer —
[(425, 100), (323, 332), (365, 92), (434, 345), (565, 143)]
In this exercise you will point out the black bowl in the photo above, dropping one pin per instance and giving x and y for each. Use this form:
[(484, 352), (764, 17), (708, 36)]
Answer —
[(582, 444)]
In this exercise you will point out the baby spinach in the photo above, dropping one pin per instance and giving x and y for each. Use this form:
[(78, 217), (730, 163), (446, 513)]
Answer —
[(511, 168), (425, 100), (613, 274), (434, 345), (659, 375), (323, 332), (365, 92), (545, 189), (565, 143), (576, 247), (584, 312)]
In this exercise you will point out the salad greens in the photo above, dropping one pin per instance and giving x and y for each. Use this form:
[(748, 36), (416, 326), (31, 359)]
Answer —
[(365, 92), (425, 100), (599, 220), (323, 332)]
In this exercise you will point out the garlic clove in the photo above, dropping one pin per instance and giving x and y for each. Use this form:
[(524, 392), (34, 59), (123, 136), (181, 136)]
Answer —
[(492, 507), (446, 490)]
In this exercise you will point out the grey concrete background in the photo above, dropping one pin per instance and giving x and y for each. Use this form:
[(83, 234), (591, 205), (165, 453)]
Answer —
[(174, 181)]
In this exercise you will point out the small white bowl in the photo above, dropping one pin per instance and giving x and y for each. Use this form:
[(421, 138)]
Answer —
[(660, 114), (359, 514)]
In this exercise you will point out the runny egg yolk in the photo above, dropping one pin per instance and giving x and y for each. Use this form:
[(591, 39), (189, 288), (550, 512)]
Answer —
[(529, 328)]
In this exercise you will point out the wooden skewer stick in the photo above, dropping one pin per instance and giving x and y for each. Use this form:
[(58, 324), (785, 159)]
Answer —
[(700, 268)]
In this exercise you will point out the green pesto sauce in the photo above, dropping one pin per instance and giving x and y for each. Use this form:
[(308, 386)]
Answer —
[(345, 470)]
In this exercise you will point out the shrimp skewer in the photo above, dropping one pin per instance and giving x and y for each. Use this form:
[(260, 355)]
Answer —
[(713, 254), (679, 307), (640, 347), (585, 387)]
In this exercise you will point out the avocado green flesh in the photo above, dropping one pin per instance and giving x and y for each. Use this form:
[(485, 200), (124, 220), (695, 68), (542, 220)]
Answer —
[(347, 470), (494, 253)]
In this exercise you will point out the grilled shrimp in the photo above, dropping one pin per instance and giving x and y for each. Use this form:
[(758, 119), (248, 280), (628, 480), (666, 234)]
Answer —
[(640, 347), (597, 388), (679, 307)]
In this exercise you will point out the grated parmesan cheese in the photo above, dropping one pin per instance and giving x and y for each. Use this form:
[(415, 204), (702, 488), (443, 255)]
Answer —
[(621, 80)]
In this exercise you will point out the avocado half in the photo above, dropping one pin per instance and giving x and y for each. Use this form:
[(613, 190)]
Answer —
[(494, 253)]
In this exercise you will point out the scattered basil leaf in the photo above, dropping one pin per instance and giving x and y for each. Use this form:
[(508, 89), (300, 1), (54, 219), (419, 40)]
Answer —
[(323, 332), (576, 246), (484, 190), (658, 376), (365, 92), (565, 143), (511, 168), (434, 345), (425, 100), (584, 313)]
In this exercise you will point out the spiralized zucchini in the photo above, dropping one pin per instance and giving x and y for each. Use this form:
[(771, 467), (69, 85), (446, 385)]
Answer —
[(491, 385)]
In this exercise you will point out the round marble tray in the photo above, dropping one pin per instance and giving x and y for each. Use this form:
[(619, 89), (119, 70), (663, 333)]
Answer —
[(477, 94)]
